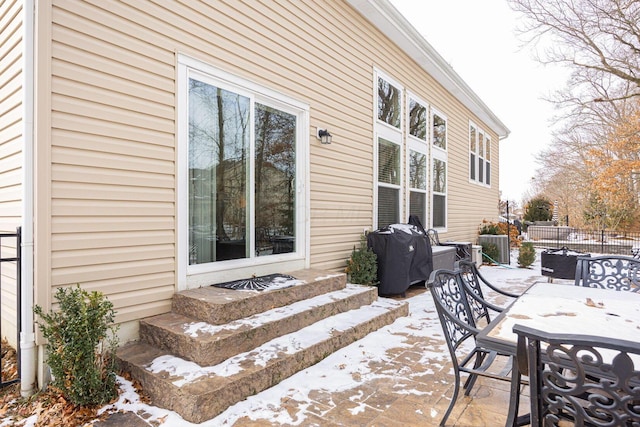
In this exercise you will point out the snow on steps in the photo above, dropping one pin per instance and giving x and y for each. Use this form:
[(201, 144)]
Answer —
[(208, 344), (259, 351)]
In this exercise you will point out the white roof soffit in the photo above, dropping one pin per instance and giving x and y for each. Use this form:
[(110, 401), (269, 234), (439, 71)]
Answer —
[(387, 19)]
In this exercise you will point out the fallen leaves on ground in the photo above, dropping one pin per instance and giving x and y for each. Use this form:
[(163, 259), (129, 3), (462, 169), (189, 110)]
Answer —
[(51, 408)]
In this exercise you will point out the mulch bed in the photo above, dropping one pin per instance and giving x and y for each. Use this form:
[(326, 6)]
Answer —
[(50, 406)]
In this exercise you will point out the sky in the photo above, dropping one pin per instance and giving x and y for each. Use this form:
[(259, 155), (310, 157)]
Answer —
[(477, 38)]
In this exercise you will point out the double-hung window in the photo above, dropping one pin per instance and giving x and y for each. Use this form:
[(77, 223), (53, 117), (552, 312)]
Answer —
[(479, 156), (439, 170), (243, 158), (417, 158), (388, 151)]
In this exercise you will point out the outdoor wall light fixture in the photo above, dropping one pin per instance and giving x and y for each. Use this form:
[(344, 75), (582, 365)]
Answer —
[(324, 136)]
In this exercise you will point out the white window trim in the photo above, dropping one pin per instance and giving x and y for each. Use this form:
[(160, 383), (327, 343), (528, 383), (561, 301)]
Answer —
[(392, 134), (411, 138), (486, 142), (438, 153), (192, 276), (420, 146)]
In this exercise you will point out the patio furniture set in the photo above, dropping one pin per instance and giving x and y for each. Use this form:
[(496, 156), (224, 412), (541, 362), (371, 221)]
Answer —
[(576, 347)]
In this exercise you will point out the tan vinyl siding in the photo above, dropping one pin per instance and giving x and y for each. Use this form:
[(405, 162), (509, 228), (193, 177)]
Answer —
[(113, 183), (11, 140), (112, 162)]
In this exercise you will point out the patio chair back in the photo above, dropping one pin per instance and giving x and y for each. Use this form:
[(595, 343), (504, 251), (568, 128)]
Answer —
[(476, 280), (433, 237), (471, 281), (459, 327), (617, 272), (585, 380), (453, 308)]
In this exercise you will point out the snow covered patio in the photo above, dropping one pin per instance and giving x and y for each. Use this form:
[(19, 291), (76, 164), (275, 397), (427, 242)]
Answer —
[(397, 376)]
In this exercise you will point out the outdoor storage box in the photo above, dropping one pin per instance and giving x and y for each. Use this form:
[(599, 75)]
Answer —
[(559, 263)]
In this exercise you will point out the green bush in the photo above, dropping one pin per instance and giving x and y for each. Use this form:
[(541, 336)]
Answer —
[(490, 228), (490, 253), (81, 340), (362, 267), (527, 255)]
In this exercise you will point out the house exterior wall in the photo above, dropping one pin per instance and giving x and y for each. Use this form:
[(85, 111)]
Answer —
[(108, 194), (11, 140)]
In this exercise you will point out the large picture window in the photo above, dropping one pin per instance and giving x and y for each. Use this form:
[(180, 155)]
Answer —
[(243, 166)]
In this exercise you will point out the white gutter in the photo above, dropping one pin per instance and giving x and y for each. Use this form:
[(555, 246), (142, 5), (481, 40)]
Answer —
[(27, 333)]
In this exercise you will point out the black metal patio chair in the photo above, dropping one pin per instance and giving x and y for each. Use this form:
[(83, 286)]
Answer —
[(583, 380), (474, 282), (463, 249), (617, 272), (459, 327)]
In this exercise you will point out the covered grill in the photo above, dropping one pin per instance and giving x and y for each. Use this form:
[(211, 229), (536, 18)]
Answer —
[(404, 257)]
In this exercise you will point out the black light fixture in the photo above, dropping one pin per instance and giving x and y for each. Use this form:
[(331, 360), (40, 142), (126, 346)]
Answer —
[(324, 136)]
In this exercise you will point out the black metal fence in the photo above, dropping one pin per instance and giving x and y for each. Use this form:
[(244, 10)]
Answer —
[(10, 290), (585, 240)]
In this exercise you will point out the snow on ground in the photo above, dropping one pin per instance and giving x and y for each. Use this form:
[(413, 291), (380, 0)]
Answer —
[(339, 371)]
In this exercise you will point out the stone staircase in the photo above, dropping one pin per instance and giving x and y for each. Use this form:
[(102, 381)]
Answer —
[(218, 346)]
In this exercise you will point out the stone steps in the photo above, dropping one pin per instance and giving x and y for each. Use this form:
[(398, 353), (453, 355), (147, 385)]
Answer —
[(208, 344), (219, 306), (199, 369)]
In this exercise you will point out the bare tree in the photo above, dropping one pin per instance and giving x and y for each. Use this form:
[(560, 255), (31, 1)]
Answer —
[(599, 42), (598, 39)]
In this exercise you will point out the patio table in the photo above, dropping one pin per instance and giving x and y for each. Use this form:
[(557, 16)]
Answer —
[(563, 309)]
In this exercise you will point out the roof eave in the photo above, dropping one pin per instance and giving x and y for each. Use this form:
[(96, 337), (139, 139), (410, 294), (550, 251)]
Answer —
[(387, 19)]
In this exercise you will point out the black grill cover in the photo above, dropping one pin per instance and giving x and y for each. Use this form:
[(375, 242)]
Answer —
[(404, 257)]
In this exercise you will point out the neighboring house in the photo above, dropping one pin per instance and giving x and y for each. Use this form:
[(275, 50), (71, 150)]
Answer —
[(151, 147)]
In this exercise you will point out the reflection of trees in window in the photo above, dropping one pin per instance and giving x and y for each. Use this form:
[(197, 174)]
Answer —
[(417, 120), (439, 132), (218, 143), (418, 170), (388, 103), (388, 162), (472, 153), (439, 176), (487, 151), (275, 171)]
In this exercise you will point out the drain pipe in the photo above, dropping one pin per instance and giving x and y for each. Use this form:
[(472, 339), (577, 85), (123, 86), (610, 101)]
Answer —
[(27, 333)]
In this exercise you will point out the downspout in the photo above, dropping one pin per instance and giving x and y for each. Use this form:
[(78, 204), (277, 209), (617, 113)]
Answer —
[(27, 333)]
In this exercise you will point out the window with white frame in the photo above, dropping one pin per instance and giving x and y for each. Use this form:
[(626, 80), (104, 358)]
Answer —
[(439, 170), (479, 156), (243, 162), (439, 209), (389, 151), (417, 158)]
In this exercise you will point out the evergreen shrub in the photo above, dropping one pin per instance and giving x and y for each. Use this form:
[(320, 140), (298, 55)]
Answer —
[(362, 267), (490, 253), (527, 255), (81, 342)]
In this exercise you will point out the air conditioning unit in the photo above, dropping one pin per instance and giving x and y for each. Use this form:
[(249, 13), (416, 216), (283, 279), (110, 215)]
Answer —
[(501, 241), (476, 254)]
